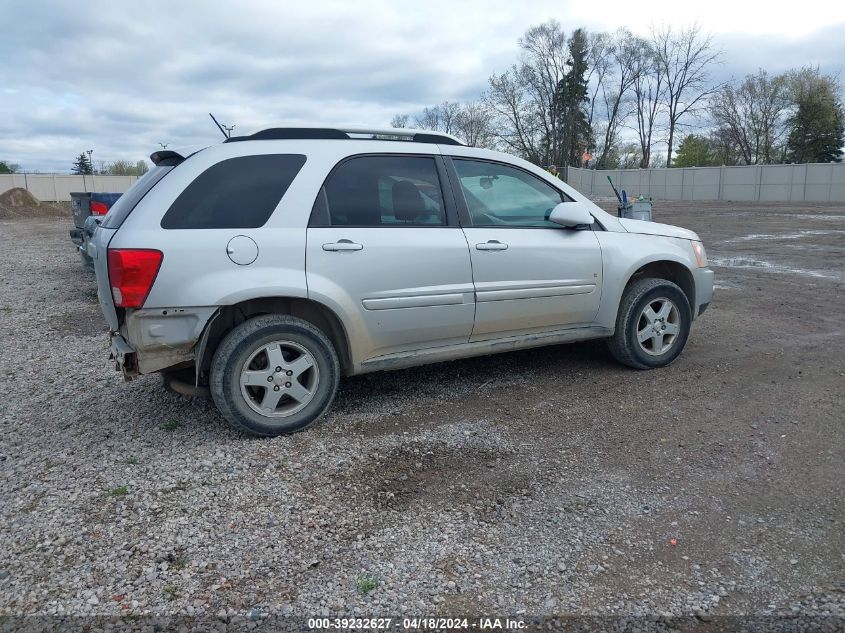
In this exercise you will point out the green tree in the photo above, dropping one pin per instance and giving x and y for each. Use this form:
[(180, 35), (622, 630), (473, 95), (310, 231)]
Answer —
[(573, 101), (816, 133), (8, 168), (694, 151), (125, 168), (82, 165)]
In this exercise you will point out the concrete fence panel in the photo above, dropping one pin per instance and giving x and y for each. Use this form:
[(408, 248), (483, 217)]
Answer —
[(776, 182), (57, 187), (704, 184), (823, 182), (817, 182), (837, 181)]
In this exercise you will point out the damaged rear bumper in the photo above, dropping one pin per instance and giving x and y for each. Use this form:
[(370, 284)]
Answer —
[(125, 358), (150, 340)]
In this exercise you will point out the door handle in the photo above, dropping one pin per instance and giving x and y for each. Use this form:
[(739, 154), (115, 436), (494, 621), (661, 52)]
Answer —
[(342, 245), (492, 245)]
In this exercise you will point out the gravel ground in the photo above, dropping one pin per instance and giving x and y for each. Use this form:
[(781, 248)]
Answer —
[(530, 484)]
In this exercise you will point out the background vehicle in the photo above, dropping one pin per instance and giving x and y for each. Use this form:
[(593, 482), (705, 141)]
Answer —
[(86, 208), (268, 266)]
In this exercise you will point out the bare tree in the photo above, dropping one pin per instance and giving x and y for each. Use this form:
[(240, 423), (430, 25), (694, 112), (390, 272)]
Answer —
[(471, 121), (683, 58), (429, 119), (515, 120), (647, 87), (752, 115), (473, 124), (523, 99), (723, 147), (545, 56), (624, 55), (449, 113), (442, 117), (601, 45)]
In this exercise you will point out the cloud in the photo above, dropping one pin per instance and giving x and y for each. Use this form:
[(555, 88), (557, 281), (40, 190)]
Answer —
[(102, 76)]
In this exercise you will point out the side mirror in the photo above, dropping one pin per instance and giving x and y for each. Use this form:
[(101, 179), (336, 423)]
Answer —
[(571, 214)]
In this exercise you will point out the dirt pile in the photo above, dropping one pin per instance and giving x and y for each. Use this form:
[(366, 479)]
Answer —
[(19, 202)]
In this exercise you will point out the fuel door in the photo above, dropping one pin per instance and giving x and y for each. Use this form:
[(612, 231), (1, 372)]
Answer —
[(242, 250)]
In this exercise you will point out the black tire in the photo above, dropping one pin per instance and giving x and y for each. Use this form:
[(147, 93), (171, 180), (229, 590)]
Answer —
[(625, 346), (242, 343)]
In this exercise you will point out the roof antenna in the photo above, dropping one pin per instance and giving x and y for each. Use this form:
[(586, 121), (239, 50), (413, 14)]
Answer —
[(220, 127)]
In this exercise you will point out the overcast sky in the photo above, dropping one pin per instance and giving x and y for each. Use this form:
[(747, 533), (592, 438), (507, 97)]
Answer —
[(118, 80)]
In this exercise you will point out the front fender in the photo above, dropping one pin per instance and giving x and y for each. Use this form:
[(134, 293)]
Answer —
[(623, 254)]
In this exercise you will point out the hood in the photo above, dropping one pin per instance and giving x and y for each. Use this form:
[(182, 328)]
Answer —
[(654, 228)]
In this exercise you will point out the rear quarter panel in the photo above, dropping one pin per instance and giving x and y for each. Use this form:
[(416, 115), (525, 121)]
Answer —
[(196, 271)]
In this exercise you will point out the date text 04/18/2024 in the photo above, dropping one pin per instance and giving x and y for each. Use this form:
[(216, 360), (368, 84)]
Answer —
[(482, 624)]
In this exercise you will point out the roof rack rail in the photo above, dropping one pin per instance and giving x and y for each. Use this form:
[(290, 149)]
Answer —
[(384, 134)]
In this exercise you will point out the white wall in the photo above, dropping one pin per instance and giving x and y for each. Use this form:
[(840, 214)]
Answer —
[(816, 182), (56, 187)]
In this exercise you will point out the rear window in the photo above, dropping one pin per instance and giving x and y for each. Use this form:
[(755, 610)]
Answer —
[(121, 209), (237, 193)]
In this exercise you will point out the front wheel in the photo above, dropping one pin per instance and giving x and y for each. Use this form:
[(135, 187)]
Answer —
[(652, 325), (274, 374)]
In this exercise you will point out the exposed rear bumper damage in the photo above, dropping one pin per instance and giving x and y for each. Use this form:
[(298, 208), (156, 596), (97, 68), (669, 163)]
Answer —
[(154, 339), (124, 357)]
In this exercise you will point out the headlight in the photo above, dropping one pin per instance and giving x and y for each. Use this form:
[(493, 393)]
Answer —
[(700, 254)]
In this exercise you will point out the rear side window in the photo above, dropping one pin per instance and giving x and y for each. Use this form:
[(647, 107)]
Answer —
[(381, 191), (237, 193)]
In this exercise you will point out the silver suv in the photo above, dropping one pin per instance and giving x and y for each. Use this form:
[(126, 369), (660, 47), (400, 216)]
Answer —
[(264, 268)]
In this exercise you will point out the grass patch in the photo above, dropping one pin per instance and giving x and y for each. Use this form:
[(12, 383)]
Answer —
[(366, 582), (120, 491), (171, 425), (180, 562), (133, 461), (170, 592)]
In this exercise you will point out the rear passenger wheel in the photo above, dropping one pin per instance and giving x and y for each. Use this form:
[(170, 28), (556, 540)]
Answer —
[(274, 374), (652, 325)]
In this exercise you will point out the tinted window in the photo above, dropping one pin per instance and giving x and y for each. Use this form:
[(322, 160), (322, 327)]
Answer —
[(381, 191), (498, 195), (237, 193)]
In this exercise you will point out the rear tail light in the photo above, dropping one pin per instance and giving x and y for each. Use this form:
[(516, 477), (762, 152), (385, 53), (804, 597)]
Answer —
[(99, 208), (132, 272)]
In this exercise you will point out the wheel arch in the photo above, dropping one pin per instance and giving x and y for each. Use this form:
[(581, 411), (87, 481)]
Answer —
[(671, 270), (316, 313)]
